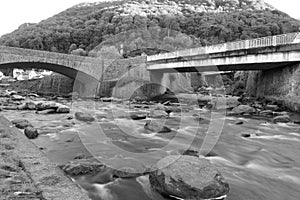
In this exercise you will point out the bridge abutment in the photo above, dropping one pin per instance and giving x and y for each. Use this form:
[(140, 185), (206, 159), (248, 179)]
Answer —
[(159, 85), (279, 84)]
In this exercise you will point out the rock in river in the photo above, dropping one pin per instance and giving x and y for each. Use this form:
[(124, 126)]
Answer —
[(158, 114), (188, 177), (157, 126), (85, 117), (82, 167), (242, 109), (21, 123), (17, 97), (44, 105), (282, 119), (31, 132), (63, 109), (272, 107)]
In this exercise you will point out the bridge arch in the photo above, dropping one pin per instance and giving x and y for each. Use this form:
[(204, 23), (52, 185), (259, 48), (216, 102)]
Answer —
[(84, 70), (84, 84)]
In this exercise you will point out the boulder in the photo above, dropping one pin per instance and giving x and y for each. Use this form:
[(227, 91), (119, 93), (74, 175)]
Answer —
[(10, 107), (266, 113), (31, 105), (21, 123), (157, 126), (243, 109), (174, 109), (47, 111), (296, 121), (23, 106), (188, 177), (280, 113), (282, 119), (63, 109), (85, 117), (27, 106), (239, 123), (138, 116), (272, 107), (158, 114), (31, 132), (44, 105), (159, 106)]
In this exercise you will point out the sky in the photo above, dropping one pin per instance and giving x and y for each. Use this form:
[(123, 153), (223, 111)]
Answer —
[(13, 13)]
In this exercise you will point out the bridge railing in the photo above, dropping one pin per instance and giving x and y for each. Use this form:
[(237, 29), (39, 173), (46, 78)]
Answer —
[(284, 39)]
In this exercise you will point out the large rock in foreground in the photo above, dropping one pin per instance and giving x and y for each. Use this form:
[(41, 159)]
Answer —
[(188, 177)]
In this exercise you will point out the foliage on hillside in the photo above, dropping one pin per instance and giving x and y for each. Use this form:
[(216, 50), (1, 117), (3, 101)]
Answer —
[(151, 24)]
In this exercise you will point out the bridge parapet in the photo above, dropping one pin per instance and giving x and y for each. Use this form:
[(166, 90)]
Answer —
[(43, 54), (277, 40)]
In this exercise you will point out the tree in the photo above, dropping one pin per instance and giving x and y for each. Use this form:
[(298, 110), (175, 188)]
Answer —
[(79, 52)]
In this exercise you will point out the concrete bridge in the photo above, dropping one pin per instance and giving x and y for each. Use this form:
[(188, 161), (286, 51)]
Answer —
[(276, 61), (256, 54)]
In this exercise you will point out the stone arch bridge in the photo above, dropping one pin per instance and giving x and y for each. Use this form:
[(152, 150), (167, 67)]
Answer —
[(86, 71)]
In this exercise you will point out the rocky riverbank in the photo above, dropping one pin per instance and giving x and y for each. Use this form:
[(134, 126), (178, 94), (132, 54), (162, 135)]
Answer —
[(26, 173)]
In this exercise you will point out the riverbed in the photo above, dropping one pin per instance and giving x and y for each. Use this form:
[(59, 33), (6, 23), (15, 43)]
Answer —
[(258, 158)]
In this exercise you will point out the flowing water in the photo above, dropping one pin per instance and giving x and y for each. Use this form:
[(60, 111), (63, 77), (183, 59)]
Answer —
[(259, 159)]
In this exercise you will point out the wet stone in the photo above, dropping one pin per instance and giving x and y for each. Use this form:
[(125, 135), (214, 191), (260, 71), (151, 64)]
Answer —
[(188, 177), (297, 122), (31, 132), (246, 135), (85, 117), (266, 113), (81, 167), (17, 97), (158, 114), (138, 117), (21, 123), (157, 126), (243, 109), (239, 123), (272, 107), (62, 109), (282, 119), (47, 111)]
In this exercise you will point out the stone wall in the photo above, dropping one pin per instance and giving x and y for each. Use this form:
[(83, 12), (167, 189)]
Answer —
[(129, 77), (279, 84), (55, 84)]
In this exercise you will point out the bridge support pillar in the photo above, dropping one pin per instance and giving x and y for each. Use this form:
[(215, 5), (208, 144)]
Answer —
[(87, 90), (86, 86), (158, 85)]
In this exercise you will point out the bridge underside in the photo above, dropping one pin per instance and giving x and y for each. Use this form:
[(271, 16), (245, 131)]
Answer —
[(228, 61), (232, 67), (84, 84)]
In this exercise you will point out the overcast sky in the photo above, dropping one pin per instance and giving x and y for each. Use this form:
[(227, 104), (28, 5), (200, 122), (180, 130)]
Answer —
[(16, 12)]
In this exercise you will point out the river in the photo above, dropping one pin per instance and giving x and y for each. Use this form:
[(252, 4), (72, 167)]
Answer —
[(259, 159)]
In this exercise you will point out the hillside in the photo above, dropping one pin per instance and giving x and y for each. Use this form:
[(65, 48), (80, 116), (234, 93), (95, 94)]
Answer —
[(154, 25)]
